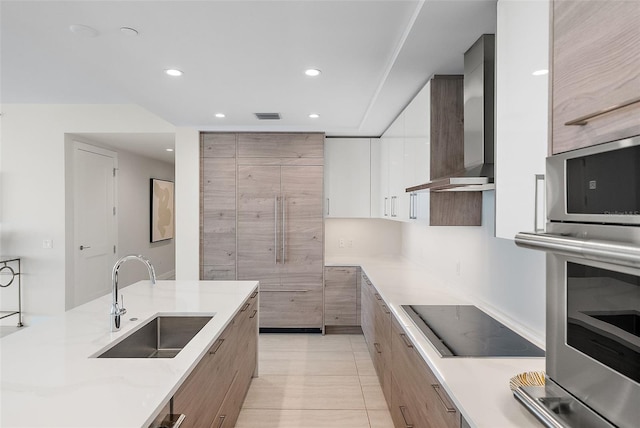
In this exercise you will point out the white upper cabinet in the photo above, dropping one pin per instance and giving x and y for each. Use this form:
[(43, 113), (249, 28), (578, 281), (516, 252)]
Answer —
[(347, 177), (416, 166), (400, 159), (394, 201), (522, 49)]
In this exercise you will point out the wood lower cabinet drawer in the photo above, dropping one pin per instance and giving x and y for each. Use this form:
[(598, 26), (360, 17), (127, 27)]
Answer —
[(294, 309), (341, 297), (218, 384), (203, 392), (424, 395)]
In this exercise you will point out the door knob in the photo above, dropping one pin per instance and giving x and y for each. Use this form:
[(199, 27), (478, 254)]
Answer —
[(83, 247)]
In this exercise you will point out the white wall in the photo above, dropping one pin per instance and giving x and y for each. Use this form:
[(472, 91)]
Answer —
[(32, 162), (362, 237), (134, 173), (507, 279), (187, 204)]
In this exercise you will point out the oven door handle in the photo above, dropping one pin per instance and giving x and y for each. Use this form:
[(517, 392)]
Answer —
[(592, 249)]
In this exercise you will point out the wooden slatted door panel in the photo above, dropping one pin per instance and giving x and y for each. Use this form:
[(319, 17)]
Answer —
[(596, 58), (258, 225)]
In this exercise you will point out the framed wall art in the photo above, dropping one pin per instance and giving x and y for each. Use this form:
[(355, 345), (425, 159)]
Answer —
[(162, 210)]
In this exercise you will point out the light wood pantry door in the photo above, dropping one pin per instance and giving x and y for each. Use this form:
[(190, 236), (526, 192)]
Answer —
[(259, 224), (218, 204), (302, 263), (280, 241)]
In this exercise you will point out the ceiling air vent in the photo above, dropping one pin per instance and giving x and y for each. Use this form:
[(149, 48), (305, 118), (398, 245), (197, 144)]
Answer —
[(268, 116)]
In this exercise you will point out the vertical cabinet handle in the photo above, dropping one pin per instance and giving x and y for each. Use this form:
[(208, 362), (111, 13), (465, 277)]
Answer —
[(284, 235), (413, 206), (221, 421), (386, 214), (275, 229), (393, 206), (328, 206), (403, 412), (448, 408), (536, 223)]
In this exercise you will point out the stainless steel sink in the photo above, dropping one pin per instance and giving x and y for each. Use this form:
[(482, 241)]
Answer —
[(162, 337)]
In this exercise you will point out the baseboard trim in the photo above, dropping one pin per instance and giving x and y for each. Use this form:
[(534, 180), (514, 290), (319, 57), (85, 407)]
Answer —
[(289, 330), (343, 329)]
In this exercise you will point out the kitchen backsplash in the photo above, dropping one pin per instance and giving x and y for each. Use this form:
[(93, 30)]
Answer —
[(361, 237)]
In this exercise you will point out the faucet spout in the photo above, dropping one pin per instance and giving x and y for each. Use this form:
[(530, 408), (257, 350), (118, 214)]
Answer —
[(117, 308)]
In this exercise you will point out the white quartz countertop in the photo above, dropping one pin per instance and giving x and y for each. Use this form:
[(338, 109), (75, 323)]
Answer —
[(49, 378), (478, 386)]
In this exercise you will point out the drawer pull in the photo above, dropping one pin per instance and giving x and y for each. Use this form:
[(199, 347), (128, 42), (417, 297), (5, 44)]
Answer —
[(403, 410), (447, 407), (253, 314), (378, 296), (221, 418), (377, 346), (583, 120), (253, 295), (245, 307), (385, 309), (406, 341), (285, 291), (216, 347)]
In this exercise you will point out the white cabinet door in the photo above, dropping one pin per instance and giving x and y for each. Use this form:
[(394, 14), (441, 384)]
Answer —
[(383, 172), (522, 41), (347, 177), (398, 199), (377, 197), (416, 168)]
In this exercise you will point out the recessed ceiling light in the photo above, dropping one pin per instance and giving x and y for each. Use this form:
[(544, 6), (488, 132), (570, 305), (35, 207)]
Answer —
[(83, 30), (173, 72), (314, 115), (312, 72), (128, 31), (169, 150), (220, 115), (540, 72)]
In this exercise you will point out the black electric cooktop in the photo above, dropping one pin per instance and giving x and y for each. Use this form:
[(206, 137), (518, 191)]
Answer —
[(466, 331)]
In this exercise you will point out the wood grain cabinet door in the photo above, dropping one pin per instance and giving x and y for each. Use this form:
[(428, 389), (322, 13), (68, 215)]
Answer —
[(258, 224), (218, 206), (596, 83), (340, 295)]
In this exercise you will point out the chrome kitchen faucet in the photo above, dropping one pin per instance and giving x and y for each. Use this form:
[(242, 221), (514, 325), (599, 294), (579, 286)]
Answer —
[(117, 309)]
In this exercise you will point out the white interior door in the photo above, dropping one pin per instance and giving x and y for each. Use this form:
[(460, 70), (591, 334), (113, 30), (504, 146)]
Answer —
[(95, 232)]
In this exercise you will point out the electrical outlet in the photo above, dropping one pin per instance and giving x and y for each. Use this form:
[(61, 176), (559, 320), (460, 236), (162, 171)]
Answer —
[(47, 243), (350, 243), (341, 243)]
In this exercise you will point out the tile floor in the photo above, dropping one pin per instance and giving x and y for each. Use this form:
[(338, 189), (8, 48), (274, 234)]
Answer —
[(314, 381)]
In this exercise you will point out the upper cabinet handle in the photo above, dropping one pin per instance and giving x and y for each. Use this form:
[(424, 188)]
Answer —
[(585, 119)]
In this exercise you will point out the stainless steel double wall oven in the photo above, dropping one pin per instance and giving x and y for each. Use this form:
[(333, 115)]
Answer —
[(592, 240)]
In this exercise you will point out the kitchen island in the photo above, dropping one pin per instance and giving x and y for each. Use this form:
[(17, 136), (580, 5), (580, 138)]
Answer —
[(478, 387), (51, 378)]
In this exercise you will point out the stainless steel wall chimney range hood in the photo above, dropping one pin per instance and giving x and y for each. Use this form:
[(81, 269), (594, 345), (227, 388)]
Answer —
[(479, 136)]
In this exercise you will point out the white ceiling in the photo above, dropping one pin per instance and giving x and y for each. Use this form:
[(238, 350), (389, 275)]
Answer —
[(239, 57)]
